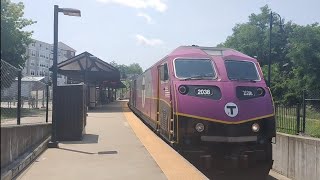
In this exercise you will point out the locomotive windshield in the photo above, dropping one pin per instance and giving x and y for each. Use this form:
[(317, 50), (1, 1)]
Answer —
[(194, 69), (241, 70)]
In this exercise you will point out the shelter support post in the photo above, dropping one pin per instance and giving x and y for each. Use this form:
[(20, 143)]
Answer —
[(37, 98)]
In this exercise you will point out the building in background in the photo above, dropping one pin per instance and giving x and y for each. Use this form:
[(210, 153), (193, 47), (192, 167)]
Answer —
[(41, 59)]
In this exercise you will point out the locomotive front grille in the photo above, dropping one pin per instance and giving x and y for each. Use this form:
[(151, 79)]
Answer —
[(225, 133), (229, 139)]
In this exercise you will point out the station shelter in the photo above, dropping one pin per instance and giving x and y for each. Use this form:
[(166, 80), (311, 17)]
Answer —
[(100, 78)]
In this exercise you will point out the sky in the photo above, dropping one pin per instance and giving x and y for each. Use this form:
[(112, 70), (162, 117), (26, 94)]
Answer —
[(144, 31)]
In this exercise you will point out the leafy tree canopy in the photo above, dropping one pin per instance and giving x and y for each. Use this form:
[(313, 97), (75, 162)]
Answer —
[(14, 40), (295, 53), (126, 70)]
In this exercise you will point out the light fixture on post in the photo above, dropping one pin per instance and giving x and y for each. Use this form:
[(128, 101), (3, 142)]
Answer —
[(70, 12), (270, 35)]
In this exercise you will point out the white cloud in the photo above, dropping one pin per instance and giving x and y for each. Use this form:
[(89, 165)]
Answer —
[(149, 42), (158, 5), (146, 16)]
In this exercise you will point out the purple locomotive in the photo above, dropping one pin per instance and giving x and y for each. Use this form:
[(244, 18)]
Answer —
[(209, 102)]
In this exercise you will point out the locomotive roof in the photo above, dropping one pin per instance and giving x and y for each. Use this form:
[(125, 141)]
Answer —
[(194, 50), (206, 48), (211, 51)]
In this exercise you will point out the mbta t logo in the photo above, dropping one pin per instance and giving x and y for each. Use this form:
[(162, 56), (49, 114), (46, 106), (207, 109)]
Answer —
[(231, 109)]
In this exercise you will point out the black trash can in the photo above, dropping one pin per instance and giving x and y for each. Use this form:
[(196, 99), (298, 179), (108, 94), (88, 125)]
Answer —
[(71, 112)]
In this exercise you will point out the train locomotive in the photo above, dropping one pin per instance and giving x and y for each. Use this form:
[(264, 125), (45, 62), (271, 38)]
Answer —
[(210, 102)]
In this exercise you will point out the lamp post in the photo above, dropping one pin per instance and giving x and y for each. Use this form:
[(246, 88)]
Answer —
[(270, 37), (70, 12)]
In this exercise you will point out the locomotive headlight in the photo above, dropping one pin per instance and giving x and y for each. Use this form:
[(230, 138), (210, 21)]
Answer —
[(183, 89), (260, 91), (199, 127), (255, 127)]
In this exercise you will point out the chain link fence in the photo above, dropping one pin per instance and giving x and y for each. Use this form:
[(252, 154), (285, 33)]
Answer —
[(24, 100), (9, 91), (34, 101)]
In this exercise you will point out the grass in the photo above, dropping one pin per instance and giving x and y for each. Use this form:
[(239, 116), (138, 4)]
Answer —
[(313, 128), (313, 113), (286, 118), (9, 113)]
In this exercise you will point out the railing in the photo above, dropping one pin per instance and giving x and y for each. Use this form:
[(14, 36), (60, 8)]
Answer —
[(301, 118), (311, 113), (288, 119)]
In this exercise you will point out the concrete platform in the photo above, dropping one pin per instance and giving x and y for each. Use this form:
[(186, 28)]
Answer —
[(111, 150), (117, 145)]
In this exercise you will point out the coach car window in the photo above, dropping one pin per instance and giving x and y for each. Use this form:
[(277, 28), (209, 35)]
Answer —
[(194, 69), (241, 70)]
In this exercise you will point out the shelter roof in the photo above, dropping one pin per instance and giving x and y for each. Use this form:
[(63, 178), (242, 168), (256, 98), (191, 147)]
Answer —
[(86, 67), (31, 78), (114, 84), (36, 82)]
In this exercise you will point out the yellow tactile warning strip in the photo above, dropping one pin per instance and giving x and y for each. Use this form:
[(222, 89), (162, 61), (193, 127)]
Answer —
[(173, 165)]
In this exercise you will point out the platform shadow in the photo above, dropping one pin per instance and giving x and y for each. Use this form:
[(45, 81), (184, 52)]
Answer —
[(271, 178), (111, 107), (107, 152), (108, 109), (87, 139), (88, 153), (76, 151), (248, 177)]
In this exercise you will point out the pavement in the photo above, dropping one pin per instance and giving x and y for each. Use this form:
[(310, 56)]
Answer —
[(276, 176), (117, 145)]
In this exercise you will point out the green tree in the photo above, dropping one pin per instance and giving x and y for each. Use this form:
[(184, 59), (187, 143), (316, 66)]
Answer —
[(122, 68), (302, 71), (14, 40), (295, 53), (134, 68), (305, 56), (125, 71), (252, 38)]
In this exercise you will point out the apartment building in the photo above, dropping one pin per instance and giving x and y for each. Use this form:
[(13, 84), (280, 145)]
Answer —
[(41, 59)]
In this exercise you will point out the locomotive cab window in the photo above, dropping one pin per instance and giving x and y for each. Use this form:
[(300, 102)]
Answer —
[(164, 72), (242, 70), (194, 69)]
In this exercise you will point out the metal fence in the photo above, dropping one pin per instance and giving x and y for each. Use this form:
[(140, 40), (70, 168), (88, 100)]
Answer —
[(24, 100), (311, 113), (288, 119), (301, 118)]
